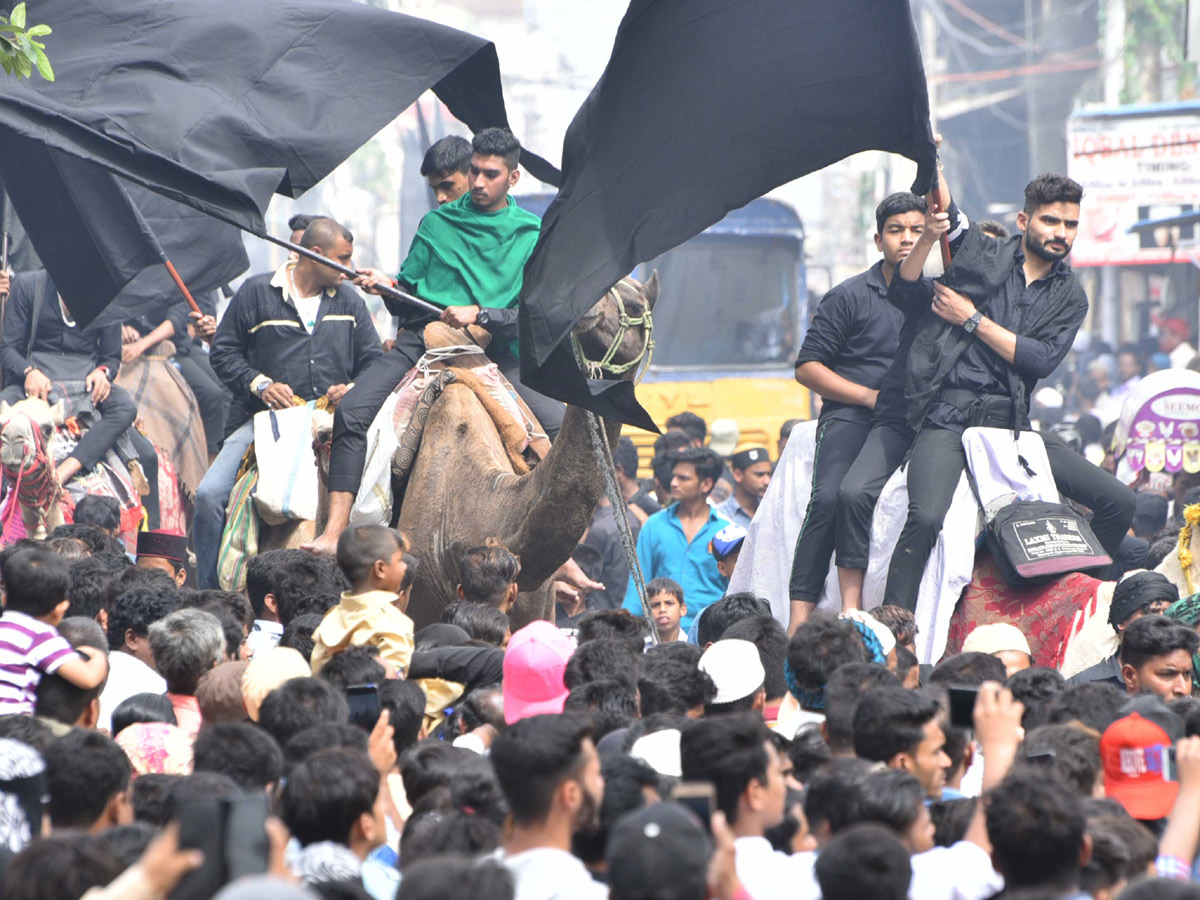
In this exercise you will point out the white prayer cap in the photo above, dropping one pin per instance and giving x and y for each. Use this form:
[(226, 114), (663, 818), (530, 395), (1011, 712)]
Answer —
[(660, 751), (735, 668)]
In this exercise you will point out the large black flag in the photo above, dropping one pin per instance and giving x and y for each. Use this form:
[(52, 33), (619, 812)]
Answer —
[(83, 225), (206, 252), (704, 106), (100, 237), (221, 104)]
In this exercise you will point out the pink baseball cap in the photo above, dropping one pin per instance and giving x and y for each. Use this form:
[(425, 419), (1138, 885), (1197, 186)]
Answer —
[(533, 671)]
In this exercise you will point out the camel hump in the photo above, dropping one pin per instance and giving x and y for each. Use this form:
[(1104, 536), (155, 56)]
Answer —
[(439, 334)]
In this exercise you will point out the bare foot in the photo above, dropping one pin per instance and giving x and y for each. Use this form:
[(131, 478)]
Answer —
[(325, 545)]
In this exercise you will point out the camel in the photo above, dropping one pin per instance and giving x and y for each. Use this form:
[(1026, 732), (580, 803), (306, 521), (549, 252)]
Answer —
[(463, 487), (27, 433), (29, 450)]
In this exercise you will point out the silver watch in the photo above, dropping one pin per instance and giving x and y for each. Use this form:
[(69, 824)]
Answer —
[(972, 322)]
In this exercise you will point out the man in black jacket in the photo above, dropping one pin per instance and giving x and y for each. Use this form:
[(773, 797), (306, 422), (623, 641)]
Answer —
[(64, 352), (296, 333), (975, 361)]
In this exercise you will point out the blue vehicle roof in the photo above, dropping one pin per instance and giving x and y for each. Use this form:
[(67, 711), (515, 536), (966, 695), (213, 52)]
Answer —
[(757, 218)]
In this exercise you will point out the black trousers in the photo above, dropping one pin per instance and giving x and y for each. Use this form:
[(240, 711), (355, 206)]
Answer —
[(356, 412), (211, 396), (838, 443), (881, 455), (934, 469)]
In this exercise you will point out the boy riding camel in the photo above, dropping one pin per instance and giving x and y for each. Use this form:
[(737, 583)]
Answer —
[(469, 257)]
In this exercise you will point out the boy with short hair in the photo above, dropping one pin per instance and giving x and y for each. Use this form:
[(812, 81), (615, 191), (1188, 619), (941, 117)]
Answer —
[(489, 575), (668, 607), (372, 559), (445, 168), (334, 804), (35, 601)]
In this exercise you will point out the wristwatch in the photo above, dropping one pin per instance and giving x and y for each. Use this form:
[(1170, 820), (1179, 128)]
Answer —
[(483, 318), (262, 388), (972, 322)]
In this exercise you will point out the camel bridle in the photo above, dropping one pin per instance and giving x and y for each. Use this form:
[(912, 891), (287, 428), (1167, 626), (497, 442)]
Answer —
[(39, 489), (597, 369)]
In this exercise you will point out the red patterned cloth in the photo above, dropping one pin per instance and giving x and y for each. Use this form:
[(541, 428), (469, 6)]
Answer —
[(1045, 614)]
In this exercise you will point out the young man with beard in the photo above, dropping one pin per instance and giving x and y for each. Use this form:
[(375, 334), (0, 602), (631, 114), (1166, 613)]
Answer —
[(976, 361), (549, 771), (298, 333)]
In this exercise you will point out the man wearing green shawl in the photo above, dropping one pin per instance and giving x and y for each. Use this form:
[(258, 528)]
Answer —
[(468, 256), (1187, 611)]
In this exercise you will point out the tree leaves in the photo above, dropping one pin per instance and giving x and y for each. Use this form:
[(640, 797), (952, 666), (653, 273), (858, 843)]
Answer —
[(20, 53)]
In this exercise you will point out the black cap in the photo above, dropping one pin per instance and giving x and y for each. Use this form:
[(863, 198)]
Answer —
[(743, 459), (1138, 590), (659, 852)]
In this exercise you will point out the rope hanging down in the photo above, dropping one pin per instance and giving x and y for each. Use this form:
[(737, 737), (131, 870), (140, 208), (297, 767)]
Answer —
[(605, 461)]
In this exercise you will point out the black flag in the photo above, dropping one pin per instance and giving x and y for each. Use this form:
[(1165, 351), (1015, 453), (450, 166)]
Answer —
[(100, 237), (206, 252), (83, 225), (704, 106), (223, 103)]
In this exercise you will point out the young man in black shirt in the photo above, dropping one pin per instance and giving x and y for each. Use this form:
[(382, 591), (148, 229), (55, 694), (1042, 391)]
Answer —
[(847, 352), (977, 363)]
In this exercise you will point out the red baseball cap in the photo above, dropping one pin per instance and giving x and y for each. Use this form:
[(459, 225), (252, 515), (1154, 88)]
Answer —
[(1135, 751), (534, 665)]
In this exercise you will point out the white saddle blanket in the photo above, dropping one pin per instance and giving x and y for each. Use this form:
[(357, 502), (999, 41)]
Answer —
[(765, 563)]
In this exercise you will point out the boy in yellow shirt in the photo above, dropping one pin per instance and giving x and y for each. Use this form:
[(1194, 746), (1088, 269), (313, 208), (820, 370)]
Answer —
[(372, 559)]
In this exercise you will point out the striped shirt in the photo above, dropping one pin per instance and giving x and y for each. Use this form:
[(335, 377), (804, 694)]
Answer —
[(28, 650)]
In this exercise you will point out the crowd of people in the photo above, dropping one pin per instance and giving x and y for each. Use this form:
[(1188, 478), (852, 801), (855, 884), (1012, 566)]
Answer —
[(301, 741), (662, 738)]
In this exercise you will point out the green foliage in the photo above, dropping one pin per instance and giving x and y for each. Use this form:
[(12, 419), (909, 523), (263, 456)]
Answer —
[(1154, 35), (20, 50)]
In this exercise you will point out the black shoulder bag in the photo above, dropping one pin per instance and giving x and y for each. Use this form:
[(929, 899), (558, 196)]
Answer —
[(1035, 541)]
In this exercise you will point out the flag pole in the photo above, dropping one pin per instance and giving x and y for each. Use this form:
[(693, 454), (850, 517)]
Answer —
[(183, 288), (385, 290)]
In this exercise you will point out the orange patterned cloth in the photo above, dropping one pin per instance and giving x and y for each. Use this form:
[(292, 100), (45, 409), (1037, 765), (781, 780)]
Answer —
[(1045, 613)]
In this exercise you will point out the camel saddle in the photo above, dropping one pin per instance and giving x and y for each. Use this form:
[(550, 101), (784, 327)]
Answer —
[(525, 443)]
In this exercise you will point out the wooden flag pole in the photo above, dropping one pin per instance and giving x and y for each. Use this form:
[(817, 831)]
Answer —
[(183, 289)]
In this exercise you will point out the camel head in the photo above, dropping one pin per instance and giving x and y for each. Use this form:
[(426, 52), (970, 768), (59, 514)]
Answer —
[(601, 326), (18, 424)]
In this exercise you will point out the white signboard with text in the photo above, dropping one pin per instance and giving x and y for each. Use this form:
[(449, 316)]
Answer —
[(1134, 166)]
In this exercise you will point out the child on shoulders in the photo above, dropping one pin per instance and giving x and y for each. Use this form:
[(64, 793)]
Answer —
[(35, 601), (372, 611)]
